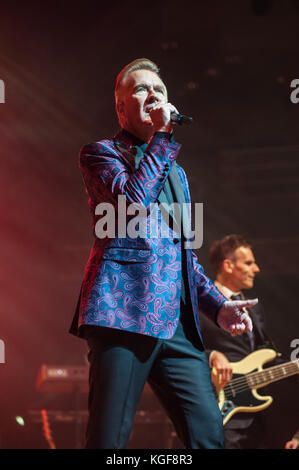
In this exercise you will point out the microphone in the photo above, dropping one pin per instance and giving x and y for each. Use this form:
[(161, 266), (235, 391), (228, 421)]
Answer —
[(180, 119)]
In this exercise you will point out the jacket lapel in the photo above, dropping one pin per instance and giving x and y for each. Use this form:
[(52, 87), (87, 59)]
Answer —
[(134, 154)]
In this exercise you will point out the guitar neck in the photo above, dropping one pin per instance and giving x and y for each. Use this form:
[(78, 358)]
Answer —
[(272, 374)]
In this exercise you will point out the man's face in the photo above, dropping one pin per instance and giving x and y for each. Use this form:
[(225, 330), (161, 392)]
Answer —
[(243, 269), (140, 91)]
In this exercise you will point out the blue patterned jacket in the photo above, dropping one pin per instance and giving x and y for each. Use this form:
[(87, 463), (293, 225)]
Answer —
[(134, 284)]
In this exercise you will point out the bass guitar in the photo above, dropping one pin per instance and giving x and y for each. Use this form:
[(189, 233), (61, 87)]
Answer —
[(240, 394)]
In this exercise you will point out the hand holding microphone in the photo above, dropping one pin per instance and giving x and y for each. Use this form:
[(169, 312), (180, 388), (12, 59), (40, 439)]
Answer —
[(180, 119), (164, 115)]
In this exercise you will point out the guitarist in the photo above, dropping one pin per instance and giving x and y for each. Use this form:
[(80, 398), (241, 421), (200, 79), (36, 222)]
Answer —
[(234, 264)]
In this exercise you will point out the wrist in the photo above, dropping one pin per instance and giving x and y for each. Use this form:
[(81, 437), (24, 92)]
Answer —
[(165, 135), (224, 300), (212, 354), (164, 128)]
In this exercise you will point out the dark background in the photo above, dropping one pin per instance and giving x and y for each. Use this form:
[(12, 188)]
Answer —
[(229, 65)]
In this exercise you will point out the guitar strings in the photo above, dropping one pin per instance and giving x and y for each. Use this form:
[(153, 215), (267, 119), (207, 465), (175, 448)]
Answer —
[(232, 390), (274, 369), (241, 383)]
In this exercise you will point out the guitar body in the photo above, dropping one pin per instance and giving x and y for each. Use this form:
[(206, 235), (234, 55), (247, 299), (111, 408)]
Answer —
[(237, 396)]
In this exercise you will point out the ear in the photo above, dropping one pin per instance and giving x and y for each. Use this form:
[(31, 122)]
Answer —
[(120, 107), (227, 266)]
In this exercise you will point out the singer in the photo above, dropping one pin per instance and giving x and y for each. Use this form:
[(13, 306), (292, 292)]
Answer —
[(140, 298)]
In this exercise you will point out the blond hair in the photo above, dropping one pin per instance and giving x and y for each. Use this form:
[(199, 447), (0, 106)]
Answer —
[(137, 64)]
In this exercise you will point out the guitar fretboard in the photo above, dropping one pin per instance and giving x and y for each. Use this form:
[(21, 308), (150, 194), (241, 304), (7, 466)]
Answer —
[(272, 374)]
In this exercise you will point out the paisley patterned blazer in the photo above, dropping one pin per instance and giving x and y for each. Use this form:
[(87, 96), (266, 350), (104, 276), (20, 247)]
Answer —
[(134, 283)]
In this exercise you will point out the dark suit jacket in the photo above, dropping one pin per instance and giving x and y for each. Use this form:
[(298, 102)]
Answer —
[(236, 348)]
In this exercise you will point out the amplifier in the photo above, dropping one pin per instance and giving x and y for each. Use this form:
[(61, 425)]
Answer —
[(62, 379), (68, 379)]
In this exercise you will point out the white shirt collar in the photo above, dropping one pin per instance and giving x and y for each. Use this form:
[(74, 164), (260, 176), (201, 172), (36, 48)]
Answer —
[(225, 290)]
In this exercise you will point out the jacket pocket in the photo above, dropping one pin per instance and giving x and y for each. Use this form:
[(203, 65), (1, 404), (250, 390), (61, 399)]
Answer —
[(129, 255)]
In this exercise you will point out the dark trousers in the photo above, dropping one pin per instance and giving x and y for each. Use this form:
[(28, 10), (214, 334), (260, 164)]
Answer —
[(246, 433), (177, 370)]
